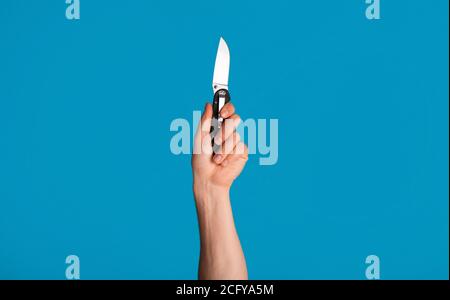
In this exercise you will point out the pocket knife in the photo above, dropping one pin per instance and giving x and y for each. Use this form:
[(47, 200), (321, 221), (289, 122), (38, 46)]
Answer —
[(220, 85)]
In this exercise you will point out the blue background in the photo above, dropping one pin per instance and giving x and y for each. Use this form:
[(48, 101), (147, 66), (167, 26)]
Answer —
[(85, 110)]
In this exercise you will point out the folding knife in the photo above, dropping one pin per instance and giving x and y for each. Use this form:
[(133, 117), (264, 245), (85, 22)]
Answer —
[(220, 84)]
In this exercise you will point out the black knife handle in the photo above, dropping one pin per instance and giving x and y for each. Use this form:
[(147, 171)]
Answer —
[(216, 122)]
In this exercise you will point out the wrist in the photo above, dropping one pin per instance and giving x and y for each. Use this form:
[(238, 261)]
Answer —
[(206, 191)]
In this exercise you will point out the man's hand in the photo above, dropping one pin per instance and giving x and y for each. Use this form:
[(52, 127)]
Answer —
[(221, 255), (220, 168)]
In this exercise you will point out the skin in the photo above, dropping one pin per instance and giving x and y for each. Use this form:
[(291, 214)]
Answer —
[(221, 255)]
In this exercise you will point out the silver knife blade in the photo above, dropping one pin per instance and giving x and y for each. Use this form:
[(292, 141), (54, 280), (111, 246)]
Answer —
[(221, 67)]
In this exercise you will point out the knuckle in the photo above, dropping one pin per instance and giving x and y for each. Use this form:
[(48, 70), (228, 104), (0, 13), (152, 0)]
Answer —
[(237, 121), (245, 149), (237, 137)]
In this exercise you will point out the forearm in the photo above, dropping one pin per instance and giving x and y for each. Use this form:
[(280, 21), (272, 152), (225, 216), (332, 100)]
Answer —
[(221, 255)]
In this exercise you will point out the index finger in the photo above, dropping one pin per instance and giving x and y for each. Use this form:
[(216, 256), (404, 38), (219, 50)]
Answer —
[(227, 110)]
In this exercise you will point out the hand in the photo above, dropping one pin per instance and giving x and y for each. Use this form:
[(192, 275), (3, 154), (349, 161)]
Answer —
[(221, 168)]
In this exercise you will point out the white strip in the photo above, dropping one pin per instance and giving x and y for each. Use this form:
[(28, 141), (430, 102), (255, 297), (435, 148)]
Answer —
[(221, 102)]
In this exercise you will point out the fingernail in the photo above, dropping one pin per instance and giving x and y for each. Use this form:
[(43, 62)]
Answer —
[(217, 158)]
